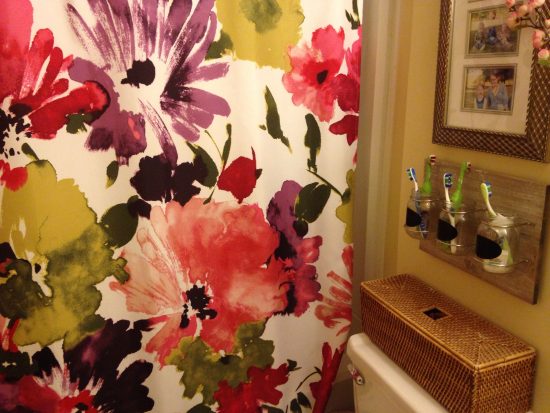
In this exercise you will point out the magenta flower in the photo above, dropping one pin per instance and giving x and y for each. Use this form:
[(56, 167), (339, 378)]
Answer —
[(314, 69), (347, 89), (296, 251), (249, 396), (321, 389), (36, 100), (148, 61), (239, 177)]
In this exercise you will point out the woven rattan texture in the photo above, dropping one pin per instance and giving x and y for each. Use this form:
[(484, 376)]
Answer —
[(475, 339), (502, 383)]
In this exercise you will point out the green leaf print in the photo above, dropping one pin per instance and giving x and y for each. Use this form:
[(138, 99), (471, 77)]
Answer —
[(220, 47), (63, 253), (303, 400), (312, 141), (345, 211), (273, 120), (226, 146), (311, 201), (203, 369), (112, 173), (200, 408), (212, 176), (295, 406), (119, 224)]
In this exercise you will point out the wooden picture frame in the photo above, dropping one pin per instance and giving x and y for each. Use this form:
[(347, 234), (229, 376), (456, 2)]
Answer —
[(522, 128)]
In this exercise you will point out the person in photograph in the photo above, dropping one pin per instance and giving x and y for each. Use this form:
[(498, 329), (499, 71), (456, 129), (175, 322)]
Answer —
[(480, 101), (504, 34), (497, 96), (491, 36), (479, 38)]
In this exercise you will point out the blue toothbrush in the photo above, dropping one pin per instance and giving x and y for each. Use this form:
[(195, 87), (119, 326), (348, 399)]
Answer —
[(411, 173), (447, 183)]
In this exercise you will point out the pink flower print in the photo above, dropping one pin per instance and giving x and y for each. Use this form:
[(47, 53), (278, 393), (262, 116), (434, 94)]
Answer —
[(538, 39), (347, 89), (314, 69), (201, 271), (336, 309), (544, 54), (533, 4), (513, 20)]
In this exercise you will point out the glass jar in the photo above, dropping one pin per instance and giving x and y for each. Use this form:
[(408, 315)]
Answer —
[(456, 229), (421, 215), (497, 243)]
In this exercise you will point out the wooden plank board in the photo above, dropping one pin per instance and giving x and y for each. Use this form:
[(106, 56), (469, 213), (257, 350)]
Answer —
[(525, 199)]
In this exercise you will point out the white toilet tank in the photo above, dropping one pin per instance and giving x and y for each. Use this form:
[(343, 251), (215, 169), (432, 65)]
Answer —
[(386, 388)]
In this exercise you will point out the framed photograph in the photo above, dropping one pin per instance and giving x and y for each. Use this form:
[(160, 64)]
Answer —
[(488, 34), (491, 94), (489, 88)]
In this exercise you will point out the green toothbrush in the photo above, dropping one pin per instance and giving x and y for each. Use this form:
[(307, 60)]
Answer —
[(426, 187), (456, 197)]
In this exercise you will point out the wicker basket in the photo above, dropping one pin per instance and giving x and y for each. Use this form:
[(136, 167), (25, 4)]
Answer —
[(465, 362)]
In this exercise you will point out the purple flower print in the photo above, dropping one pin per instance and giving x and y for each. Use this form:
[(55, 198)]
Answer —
[(148, 54)]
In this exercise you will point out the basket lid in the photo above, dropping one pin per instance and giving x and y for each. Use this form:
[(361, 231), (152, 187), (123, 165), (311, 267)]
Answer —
[(473, 339)]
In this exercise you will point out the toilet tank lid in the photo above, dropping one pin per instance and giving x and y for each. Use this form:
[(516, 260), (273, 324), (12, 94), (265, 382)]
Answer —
[(376, 367)]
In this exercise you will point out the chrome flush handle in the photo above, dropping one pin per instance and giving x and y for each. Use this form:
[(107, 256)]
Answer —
[(357, 378)]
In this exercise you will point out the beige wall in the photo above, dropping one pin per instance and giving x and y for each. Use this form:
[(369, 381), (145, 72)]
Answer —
[(418, 33)]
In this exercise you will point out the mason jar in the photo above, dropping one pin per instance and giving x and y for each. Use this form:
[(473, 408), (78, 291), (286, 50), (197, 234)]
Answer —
[(497, 243), (421, 215), (456, 229)]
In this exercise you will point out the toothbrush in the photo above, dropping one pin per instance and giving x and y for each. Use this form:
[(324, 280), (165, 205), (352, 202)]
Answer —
[(456, 197), (486, 193), (426, 188), (411, 173), (448, 183)]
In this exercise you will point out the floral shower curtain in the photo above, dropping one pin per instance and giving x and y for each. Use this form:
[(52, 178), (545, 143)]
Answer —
[(175, 209)]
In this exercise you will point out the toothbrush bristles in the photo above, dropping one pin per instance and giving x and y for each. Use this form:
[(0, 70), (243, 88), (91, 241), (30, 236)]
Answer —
[(411, 173), (489, 189), (448, 179)]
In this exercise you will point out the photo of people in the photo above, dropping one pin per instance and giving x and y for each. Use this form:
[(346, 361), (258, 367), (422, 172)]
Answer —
[(489, 88), (489, 34)]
